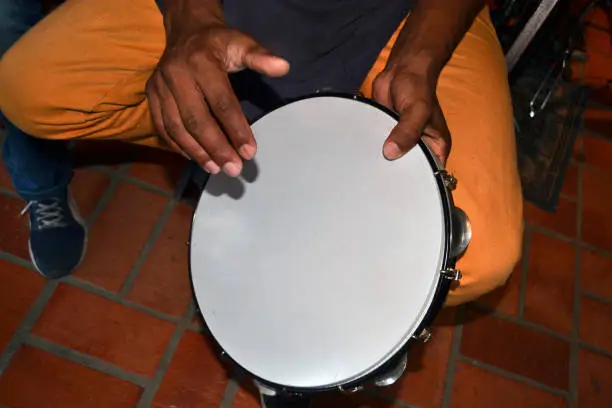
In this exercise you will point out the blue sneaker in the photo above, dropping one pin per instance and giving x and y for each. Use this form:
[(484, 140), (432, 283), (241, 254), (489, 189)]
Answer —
[(58, 236)]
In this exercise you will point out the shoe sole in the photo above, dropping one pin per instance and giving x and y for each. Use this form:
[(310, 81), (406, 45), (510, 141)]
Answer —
[(77, 217)]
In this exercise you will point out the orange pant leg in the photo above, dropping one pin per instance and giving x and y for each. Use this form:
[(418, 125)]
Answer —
[(81, 72)]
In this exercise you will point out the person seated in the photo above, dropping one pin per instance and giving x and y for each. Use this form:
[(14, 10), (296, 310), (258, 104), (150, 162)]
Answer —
[(188, 75)]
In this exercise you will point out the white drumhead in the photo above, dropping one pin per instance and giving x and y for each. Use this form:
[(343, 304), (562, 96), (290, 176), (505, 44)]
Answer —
[(319, 269)]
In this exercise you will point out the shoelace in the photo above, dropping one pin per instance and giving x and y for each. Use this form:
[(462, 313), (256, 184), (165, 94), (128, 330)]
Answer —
[(46, 215)]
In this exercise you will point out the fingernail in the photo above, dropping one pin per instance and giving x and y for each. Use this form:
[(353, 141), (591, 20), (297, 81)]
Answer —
[(247, 151), (211, 167), (391, 151), (231, 169)]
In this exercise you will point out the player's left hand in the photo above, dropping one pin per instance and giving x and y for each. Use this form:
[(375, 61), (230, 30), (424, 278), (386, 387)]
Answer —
[(413, 96)]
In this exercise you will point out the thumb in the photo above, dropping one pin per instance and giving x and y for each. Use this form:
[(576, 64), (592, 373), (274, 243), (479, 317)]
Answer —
[(263, 61)]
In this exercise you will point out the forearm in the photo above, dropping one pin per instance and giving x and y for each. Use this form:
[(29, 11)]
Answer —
[(186, 12), (432, 32)]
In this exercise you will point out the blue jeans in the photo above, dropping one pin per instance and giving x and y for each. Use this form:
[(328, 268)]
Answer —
[(39, 168)]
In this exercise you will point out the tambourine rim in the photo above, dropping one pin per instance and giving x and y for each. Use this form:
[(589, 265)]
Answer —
[(440, 293)]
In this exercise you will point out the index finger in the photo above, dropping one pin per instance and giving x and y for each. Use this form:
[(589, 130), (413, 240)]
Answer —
[(223, 103)]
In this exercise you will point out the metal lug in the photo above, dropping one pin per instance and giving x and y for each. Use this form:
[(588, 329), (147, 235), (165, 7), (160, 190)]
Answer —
[(452, 274), (425, 335), (450, 182)]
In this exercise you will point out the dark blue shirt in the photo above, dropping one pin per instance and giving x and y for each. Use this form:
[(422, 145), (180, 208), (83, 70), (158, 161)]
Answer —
[(330, 44)]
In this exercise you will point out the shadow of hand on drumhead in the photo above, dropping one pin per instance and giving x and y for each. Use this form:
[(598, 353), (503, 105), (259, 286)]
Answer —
[(234, 187)]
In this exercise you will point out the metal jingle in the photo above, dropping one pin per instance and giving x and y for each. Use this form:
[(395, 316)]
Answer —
[(391, 376), (461, 232), (265, 390), (351, 390)]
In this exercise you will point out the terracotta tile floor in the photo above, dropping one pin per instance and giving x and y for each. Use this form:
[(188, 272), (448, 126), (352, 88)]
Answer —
[(122, 332)]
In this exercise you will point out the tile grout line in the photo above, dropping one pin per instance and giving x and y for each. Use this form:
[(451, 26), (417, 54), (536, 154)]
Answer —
[(597, 170), (196, 328), (9, 193), (523, 323), (231, 389), (109, 171), (449, 379), (595, 296), (595, 349), (574, 241), (17, 260), (150, 312), (96, 290), (586, 132), (589, 247), (147, 247), (591, 24), (145, 186), (511, 376), (123, 177), (85, 360), (104, 200), (377, 394), (544, 330), (26, 324), (146, 399), (551, 233), (524, 271), (575, 335), (567, 197)]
